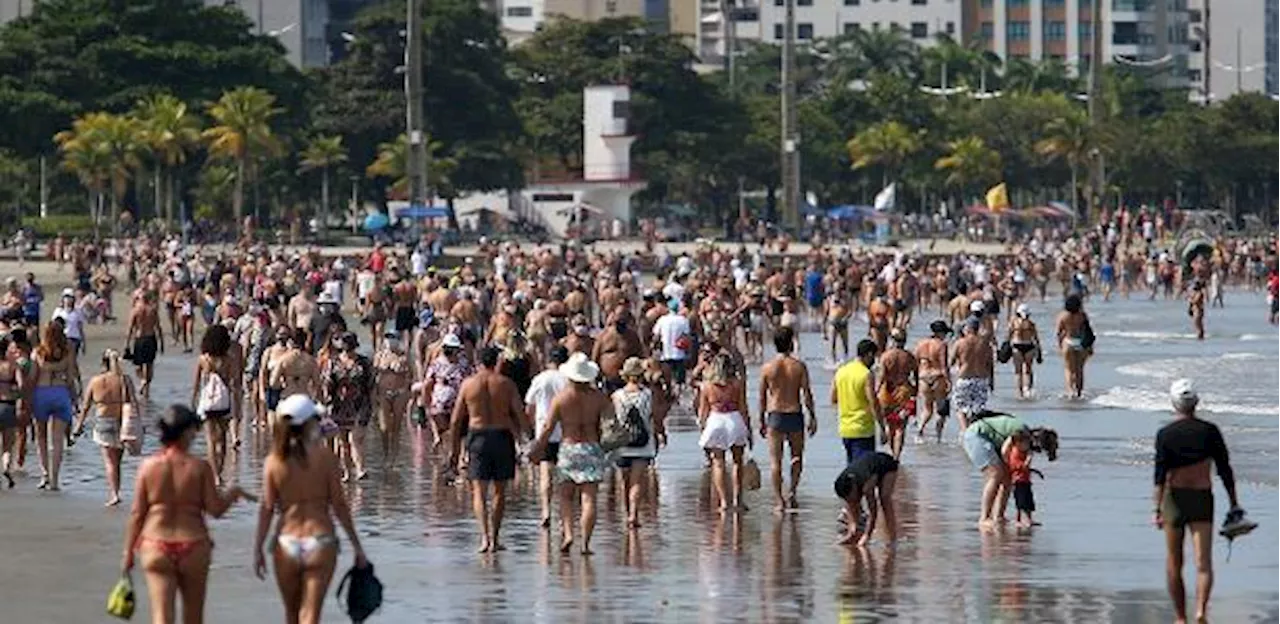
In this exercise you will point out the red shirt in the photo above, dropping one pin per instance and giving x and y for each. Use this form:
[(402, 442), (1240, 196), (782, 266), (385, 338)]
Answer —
[(377, 261), (1273, 284), (1019, 463)]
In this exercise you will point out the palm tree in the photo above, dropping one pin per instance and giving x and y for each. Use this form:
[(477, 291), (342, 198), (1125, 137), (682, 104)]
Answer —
[(887, 50), (392, 162), (1068, 139), (103, 150), (970, 163), (242, 132), (216, 185), (170, 130), (322, 153), (887, 144)]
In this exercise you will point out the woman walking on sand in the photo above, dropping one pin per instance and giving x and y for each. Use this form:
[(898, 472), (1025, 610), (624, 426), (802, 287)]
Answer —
[(108, 391), (57, 385), (13, 384), (300, 481), (173, 493)]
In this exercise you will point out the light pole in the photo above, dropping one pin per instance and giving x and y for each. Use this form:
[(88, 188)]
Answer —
[(790, 158), (416, 158), (1096, 167)]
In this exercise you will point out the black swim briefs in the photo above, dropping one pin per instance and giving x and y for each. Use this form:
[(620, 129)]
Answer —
[(786, 422)]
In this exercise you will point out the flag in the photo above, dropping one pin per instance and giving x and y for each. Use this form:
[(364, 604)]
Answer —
[(887, 197), (998, 198)]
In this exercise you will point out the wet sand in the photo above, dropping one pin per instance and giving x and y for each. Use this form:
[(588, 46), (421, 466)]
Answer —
[(1095, 559)]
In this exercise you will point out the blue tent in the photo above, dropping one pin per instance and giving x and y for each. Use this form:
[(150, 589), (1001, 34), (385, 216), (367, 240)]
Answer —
[(375, 221), (851, 211), (422, 212)]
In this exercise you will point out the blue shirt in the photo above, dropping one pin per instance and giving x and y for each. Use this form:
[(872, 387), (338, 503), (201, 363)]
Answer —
[(32, 296), (813, 287)]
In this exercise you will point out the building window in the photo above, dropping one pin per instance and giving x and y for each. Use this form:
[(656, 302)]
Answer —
[(1195, 46), (519, 11), (1057, 58), (1018, 31), (1054, 3), (919, 30), (1086, 30), (804, 2), (875, 25), (1055, 31), (852, 27), (777, 32), (919, 2), (986, 30), (894, 26), (951, 28), (852, 2), (1194, 75), (1018, 3), (1193, 16), (1126, 33), (804, 32), (985, 3)]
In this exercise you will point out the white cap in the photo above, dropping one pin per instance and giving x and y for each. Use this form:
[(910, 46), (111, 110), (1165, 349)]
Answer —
[(326, 297), (297, 409), (452, 341), (67, 292), (1183, 390), (977, 306), (1023, 310)]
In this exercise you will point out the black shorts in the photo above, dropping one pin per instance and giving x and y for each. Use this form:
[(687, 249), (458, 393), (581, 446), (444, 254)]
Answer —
[(677, 370), (406, 319), (273, 398), (559, 328), (900, 305), (552, 454), (144, 350), (775, 307), (492, 455), (222, 414), (624, 463), (785, 422), (1023, 499)]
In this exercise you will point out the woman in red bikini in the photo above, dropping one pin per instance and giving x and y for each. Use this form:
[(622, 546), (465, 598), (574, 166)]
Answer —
[(173, 494)]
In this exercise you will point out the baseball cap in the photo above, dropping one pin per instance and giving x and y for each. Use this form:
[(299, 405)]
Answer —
[(977, 306), (297, 409), (1023, 310), (452, 341), (1183, 390)]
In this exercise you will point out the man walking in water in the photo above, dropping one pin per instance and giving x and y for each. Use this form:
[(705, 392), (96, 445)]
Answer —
[(1195, 307), (972, 355), (144, 336), (934, 375), (783, 382), (853, 391), (897, 389), (578, 410), (488, 409), (1184, 496)]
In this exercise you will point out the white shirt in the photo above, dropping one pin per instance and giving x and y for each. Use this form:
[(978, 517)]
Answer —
[(74, 321), (740, 276), (544, 387), (334, 288), (669, 329), (419, 262)]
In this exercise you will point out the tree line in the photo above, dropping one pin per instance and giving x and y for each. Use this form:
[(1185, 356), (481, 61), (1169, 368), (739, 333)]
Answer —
[(154, 106)]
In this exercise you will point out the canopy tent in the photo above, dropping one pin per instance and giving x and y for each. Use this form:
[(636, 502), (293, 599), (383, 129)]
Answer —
[(422, 212), (375, 221), (853, 212)]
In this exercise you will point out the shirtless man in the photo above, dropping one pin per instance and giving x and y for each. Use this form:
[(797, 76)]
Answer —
[(613, 346), (906, 293), (144, 335), (934, 376), (878, 313), (897, 391), (578, 410), (837, 319), (467, 312), (489, 409), (301, 308), (783, 382), (972, 355), (1195, 307), (580, 340)]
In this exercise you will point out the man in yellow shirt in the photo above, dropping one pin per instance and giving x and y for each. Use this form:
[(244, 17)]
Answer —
[(853, 391)]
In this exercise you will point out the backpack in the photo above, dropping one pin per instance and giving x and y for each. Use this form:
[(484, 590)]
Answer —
[(214, 395), (627, 430), (365, 594)]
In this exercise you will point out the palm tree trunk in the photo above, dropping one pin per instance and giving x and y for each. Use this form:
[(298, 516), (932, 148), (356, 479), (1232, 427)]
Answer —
[(453, 214), (237, 199), (158, 192), (324, 202), (1075, 194)]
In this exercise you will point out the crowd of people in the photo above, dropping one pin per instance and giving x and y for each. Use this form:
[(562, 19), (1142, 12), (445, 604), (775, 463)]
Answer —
[(570, 360)]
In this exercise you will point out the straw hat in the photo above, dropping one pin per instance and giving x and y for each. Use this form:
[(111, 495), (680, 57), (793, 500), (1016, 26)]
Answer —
[(580, 368), (633, 368)]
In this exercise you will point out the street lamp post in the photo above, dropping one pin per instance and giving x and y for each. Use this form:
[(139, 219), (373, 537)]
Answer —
[(416, 157), (790, 138)]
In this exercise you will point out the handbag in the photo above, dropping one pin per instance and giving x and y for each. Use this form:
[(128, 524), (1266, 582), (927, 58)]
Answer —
[(365, 594), (120, 601), (131, 422)]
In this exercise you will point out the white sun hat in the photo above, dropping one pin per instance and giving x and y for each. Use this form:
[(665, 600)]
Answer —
[(580, 368)]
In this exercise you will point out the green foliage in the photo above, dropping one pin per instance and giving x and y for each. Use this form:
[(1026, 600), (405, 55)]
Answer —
[(71, 226)]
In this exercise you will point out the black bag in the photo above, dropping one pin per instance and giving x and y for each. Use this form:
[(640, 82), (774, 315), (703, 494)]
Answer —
[(944, 407), (1005, 353), (635, 426), (365, 594), (1087, 337)]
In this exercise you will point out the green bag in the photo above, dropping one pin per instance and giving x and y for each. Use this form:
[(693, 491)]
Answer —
[(120, 602)]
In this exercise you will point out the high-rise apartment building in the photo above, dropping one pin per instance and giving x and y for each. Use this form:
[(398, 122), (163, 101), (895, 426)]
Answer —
[(1147, 33), (762, 20), (1233, 48), (302, 26), (521, 18)]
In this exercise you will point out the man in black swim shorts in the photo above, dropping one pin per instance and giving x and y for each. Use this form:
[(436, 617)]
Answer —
[(784, 381)]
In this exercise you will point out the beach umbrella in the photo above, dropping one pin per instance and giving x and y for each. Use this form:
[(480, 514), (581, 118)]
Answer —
[(375, 221)]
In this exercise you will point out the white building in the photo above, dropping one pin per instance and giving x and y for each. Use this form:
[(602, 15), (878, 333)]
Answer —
[(763, 20), (1236, 52)]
